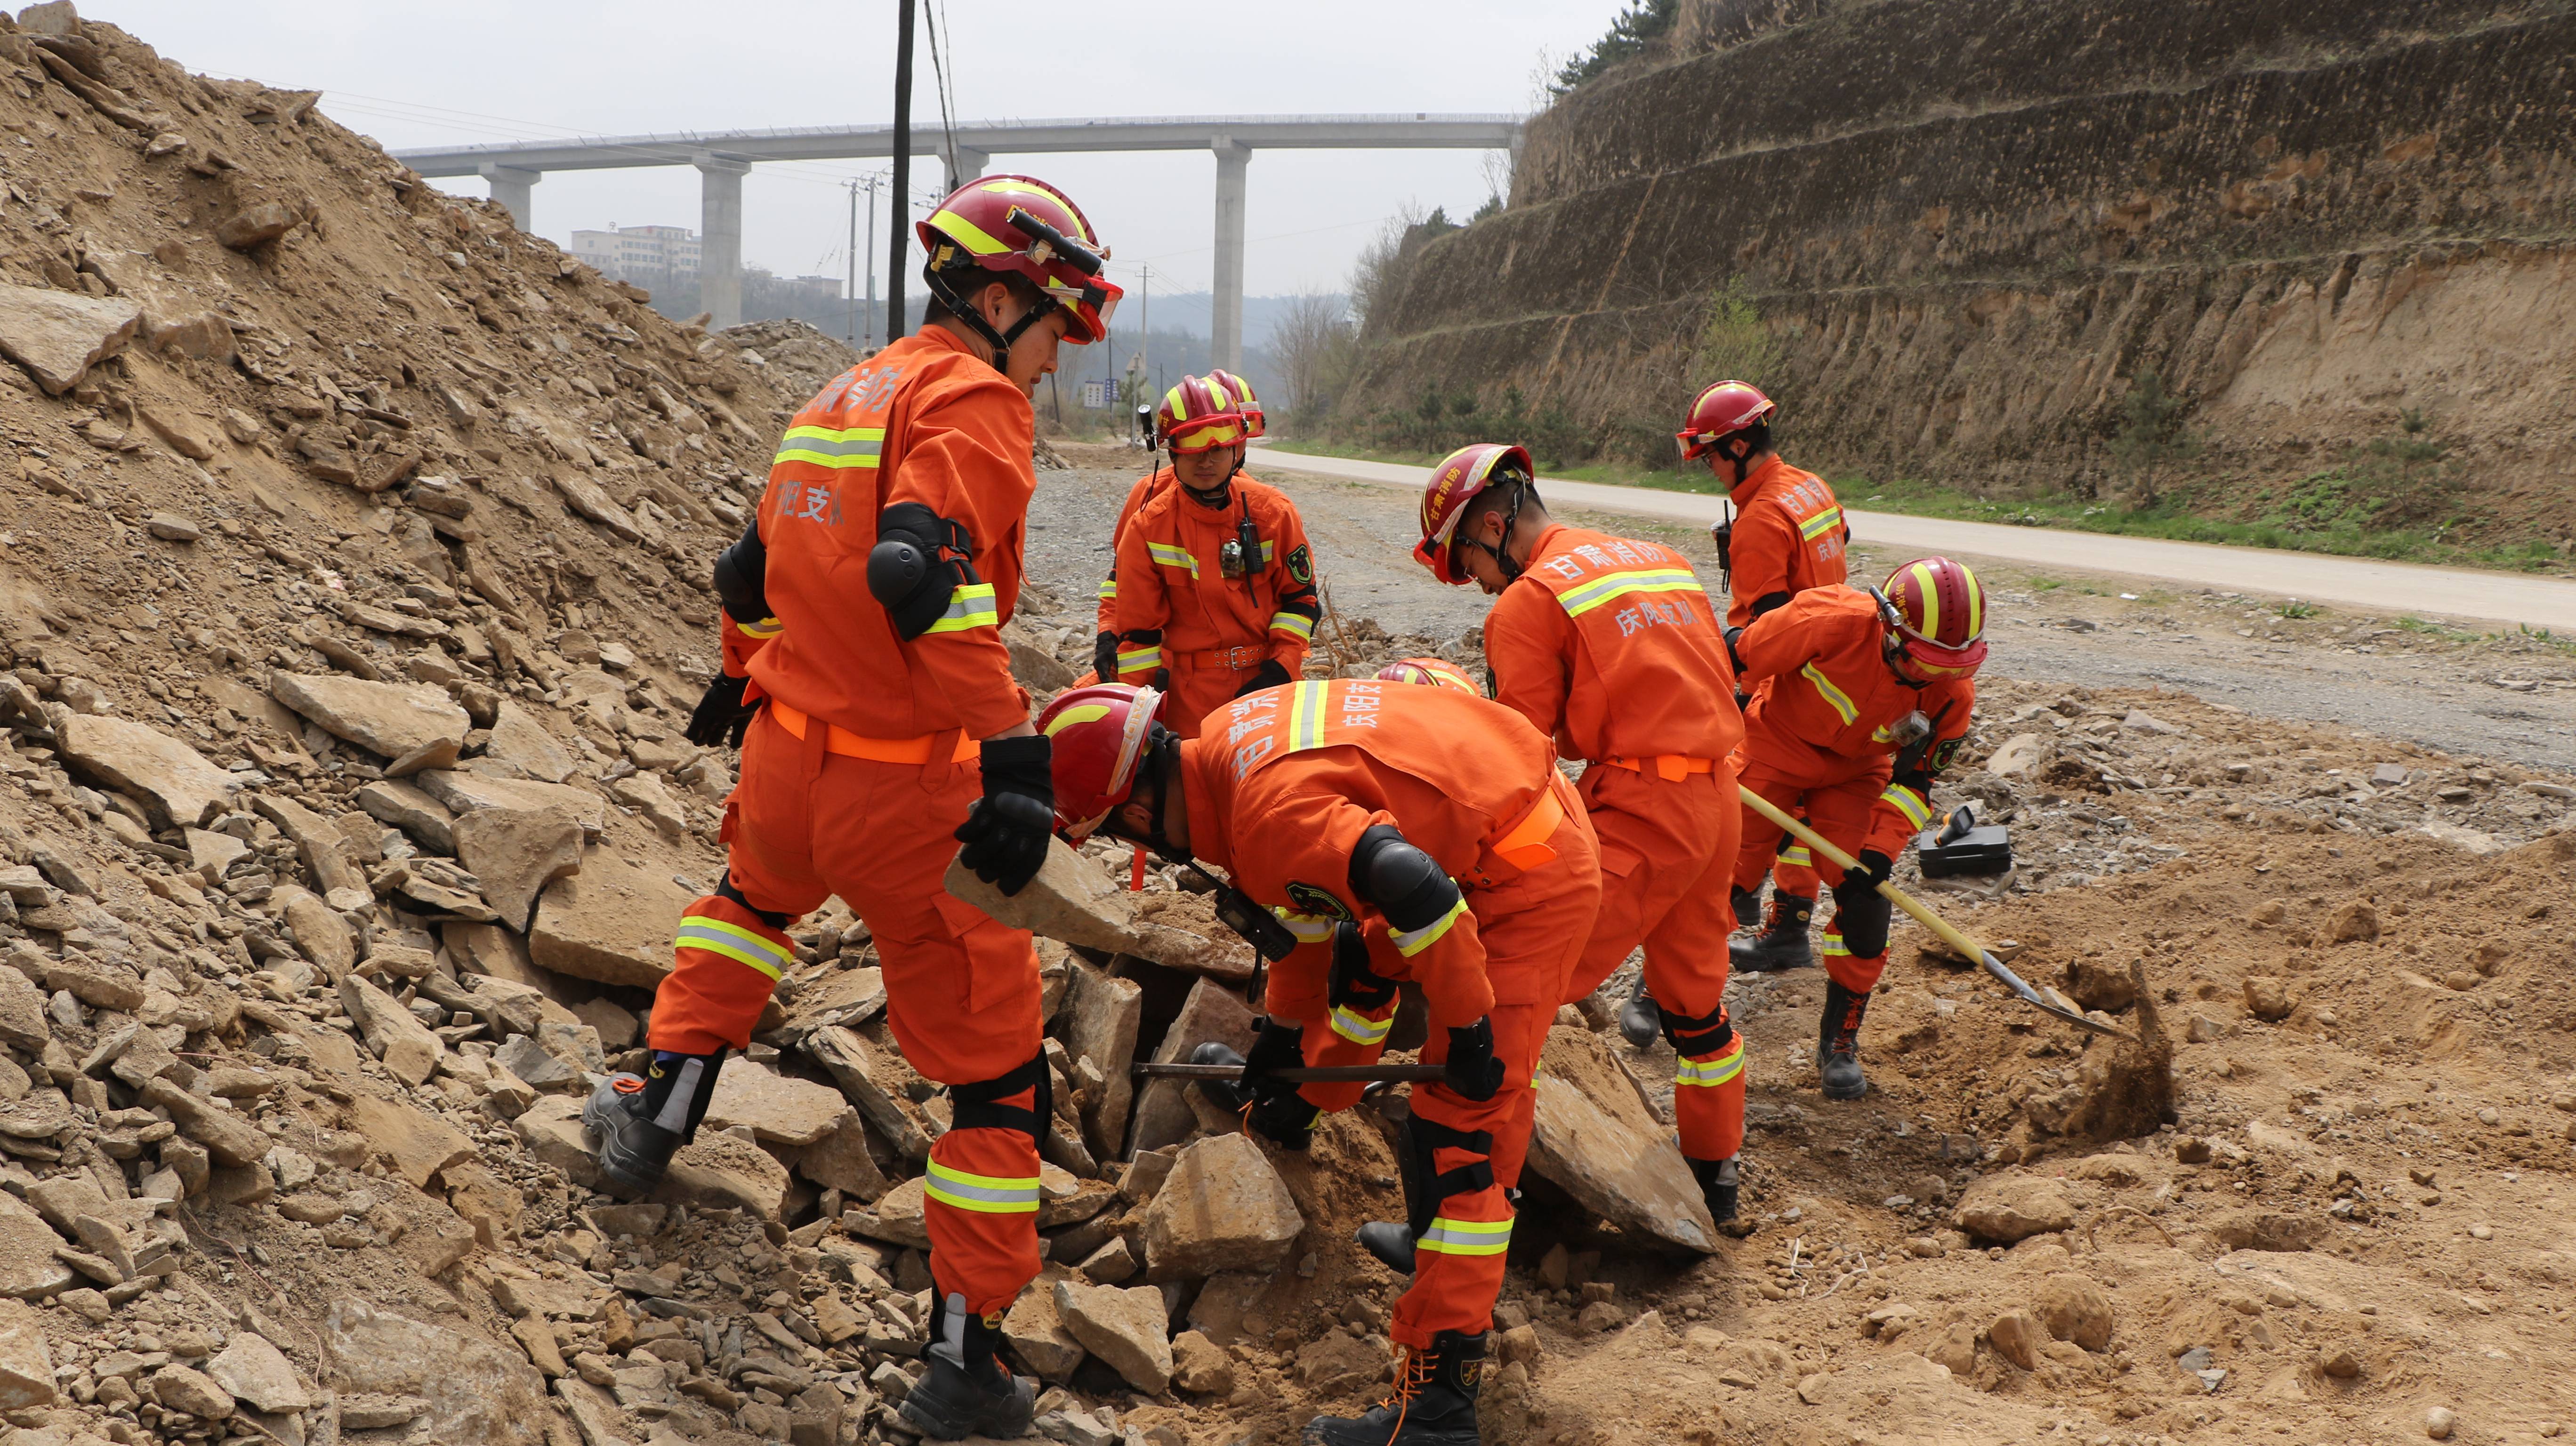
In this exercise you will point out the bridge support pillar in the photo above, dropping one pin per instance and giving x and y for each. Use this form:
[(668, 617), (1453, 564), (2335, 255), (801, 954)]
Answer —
[(1227, 326), (970, 164), (510, 187), (720, 237)]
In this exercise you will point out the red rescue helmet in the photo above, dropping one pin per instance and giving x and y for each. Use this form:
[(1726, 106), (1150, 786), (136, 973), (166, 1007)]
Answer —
[(1937, 611), (1096, 736), (1431, 672), (1244, 401), (1022, 225), (1453, 484), (1721, 410), (1200, 415)]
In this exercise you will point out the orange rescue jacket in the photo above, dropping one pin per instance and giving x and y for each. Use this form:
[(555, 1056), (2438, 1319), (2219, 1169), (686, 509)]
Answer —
[(1176, 606), (1821, 683), (1789, 536), (1146, 487), (924, 420), (1284, 781), (1608, 645)]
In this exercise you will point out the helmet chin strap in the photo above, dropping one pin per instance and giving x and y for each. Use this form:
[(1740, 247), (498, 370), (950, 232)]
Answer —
[(958, 306), (1737, 462), (1503, 560)]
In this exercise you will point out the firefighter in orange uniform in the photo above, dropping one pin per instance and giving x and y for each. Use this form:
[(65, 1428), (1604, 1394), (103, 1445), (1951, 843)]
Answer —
[(1608, 645), (1104, 642), (867, 678), (1859, 700), (1786, 534), (1440, 822), (1216, 585)]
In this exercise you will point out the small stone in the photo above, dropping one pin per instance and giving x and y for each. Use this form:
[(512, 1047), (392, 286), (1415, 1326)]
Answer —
[(2075, 1309), (2355, 922), (1200, 1366), (2012, 1208), (1124, 1328), (2266, 997), (255, 226), (2481, 1232), (255, 1371), (2340, 1362), (2019, 1338), (171, 527), (1223, 1208), (179, 1388), (2203, 1030), (2439, 1421)]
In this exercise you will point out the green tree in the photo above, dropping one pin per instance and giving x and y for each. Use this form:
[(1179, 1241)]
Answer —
[(1632, 34), (1735, 344), (2151, 434)]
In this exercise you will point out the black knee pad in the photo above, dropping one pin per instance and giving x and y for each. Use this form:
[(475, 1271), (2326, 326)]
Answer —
[(1707, 1034), (726, 890), (978, 1106)]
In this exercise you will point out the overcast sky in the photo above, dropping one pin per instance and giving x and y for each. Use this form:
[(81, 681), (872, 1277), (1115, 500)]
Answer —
[(469, 71)]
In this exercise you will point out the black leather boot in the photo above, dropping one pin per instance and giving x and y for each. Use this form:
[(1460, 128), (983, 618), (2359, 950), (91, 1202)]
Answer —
[(1433, 1403), (641, 1122), (1718, 1186), (1838, 1044), (1641, 1020), (966, 1391), (1782, 944), (1748, 906)]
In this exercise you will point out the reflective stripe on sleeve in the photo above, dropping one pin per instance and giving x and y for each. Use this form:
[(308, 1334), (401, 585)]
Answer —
[(1137, 660), (1109, 588), (1309, 928), (832, 447), (1410, 942), (1288, 622), (733, 941), (1466, 1237), (1170, 556), (1611, 585), (765, 629), (1716, 1070), (1906, 801), (987, 1194), (972, 605), (1358, 1028), (1840, 701)]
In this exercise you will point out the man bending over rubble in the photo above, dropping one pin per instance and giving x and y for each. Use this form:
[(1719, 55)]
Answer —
[(1438, 821)]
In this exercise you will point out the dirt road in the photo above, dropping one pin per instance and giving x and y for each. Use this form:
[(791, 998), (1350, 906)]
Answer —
[(2391, 588)]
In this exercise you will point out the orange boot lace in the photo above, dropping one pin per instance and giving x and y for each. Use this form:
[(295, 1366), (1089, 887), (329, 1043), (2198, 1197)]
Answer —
[(1412, 1373)]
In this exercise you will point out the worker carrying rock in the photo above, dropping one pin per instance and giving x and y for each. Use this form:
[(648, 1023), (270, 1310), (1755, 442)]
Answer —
[(1215, 583), (1439, 822), (885, 557), (1784, 533), (1104, 645), (1860, 697), (1609, 646)]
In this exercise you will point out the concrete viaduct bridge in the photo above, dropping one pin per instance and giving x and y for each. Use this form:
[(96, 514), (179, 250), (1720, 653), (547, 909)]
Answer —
[(724, 158)]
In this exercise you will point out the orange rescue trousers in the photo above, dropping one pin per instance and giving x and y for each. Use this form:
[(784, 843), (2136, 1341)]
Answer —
[(806, 823), (1669, 839), (1202, 682), (1836, 795), (1532, 927)]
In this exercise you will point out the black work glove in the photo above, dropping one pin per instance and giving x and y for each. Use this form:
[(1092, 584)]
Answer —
[(1471, 1068), (1286, 1120), (1278, 1046), (1353, 984), (1007, 832), (1873, 871), (1270, 674), (721, 716), (1104, 656)]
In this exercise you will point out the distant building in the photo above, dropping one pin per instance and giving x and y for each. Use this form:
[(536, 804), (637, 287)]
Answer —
[(649, 256)]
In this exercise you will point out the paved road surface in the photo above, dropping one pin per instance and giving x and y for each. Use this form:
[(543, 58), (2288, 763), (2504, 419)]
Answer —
[(2388, 588)]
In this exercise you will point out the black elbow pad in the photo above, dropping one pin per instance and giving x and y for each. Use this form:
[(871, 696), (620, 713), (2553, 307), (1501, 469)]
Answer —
[(919, 562), (1406, 884), (1732, 656), (742, 578), (1768, 601)]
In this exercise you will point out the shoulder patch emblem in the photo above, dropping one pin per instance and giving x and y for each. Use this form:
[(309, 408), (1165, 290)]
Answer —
[(1301, 567), (1309, 899)]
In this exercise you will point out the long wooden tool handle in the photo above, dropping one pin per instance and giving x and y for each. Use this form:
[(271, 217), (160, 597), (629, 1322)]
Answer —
[(1968, 948), (1370, 1073)]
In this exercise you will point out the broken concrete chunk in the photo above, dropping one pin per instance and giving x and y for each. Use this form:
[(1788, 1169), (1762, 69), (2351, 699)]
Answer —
[(2012, 1208), (519, 739), (612, 922), (29, 1266), (1072, 900), (419, 1144), (26, 1366), (1594, 1138), (409, 1049), (1035, 1330), (1210, 1013), (1222, 1208), (1125, 1328), (175, 782), (402, 804), (514, 855), (1104, 1014), (255, 226), (777, 1110), (395, 720), (477, 1391), (58, 335)]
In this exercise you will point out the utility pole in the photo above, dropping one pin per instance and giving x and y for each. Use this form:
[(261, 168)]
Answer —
[(1145, 321), (868, 331), (850, 327), (895, 254)]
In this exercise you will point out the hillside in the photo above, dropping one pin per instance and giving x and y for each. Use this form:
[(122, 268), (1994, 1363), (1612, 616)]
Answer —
[(1967, 229)]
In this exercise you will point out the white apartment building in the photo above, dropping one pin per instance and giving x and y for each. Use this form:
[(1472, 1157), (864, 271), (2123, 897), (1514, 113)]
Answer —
[(639, 253)]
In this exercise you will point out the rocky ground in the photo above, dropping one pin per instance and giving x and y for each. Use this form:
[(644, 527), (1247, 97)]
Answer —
[(352, 592)]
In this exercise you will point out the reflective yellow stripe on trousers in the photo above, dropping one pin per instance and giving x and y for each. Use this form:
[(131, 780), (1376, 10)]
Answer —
[(1466, 1237), (989, 1194)]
